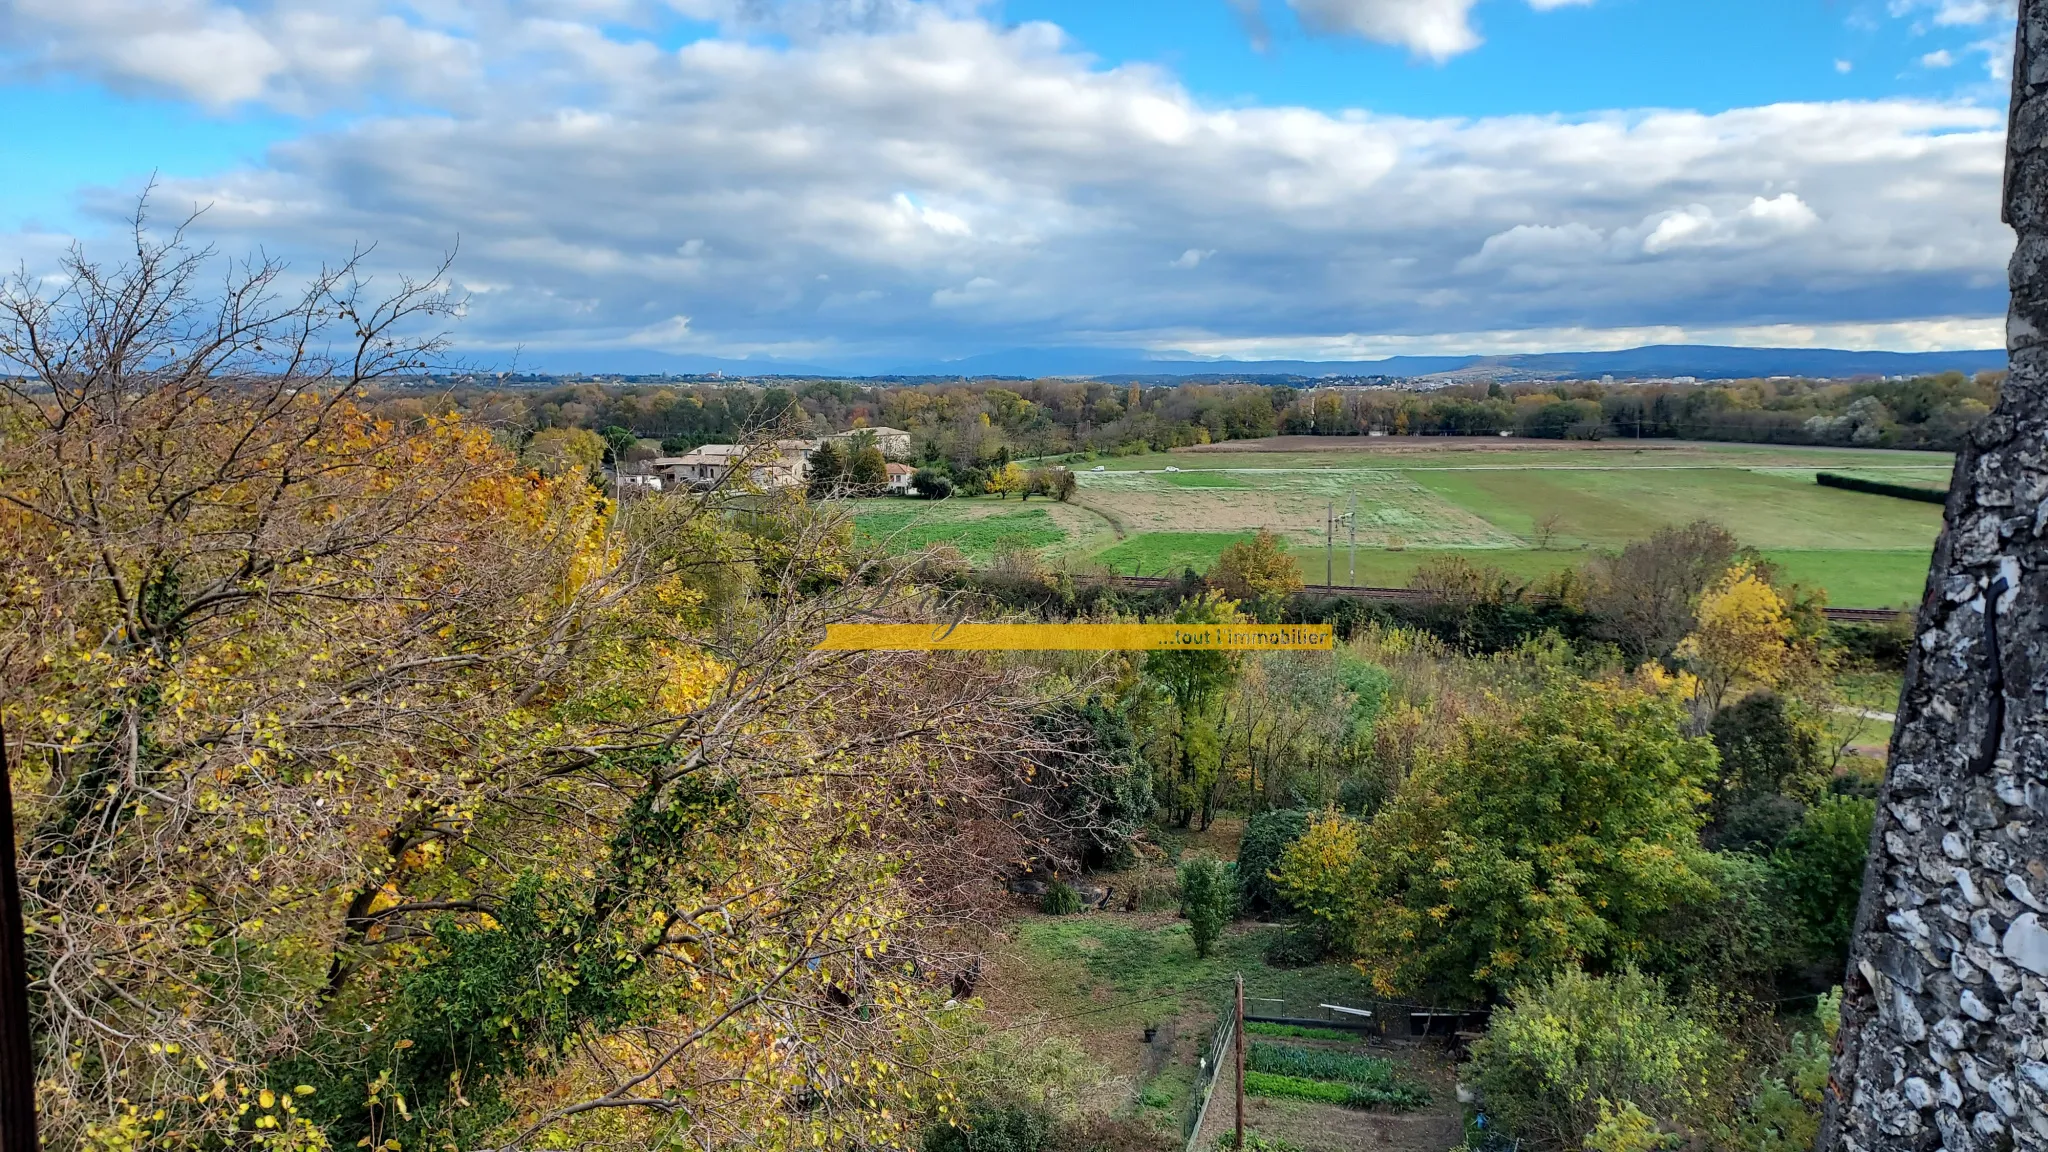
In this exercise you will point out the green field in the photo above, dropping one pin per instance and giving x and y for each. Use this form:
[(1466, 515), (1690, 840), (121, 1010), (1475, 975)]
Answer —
[(1526, 509), (903, 526)]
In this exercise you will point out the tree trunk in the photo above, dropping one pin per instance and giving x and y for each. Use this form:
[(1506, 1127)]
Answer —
[(1943, 1042)]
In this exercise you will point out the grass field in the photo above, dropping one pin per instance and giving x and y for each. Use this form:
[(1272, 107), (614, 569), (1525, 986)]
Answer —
[(1526, 507), (979, 527), (1496, 502)]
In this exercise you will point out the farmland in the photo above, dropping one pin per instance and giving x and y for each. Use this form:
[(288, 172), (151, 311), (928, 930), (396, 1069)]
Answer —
[(1525, 507)]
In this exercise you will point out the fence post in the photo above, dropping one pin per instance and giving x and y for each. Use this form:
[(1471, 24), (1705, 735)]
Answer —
[(1237, 1046)]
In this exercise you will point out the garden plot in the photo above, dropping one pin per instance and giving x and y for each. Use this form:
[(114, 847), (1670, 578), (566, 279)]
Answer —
[(1339, 1097)]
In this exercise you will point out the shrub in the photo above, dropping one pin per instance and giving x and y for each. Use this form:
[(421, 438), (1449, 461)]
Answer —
[(1097, 1133), (1820, 870), (1883, 645), (994, 1128), (1208, 895), (1266, 836), (1060, 899), (1627, 1129), (1297, 947), (930, 485), (1766, 751), (1574, 1040)]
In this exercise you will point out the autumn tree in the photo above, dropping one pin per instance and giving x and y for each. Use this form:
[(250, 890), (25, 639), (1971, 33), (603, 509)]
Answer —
[(1525, 849), (1004, 479), (1258, 572), (1183, 702), (565, 452), (376, 787), (1744, 636), (1645, 596)]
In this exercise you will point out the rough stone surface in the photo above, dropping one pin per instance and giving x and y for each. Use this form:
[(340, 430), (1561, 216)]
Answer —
[(1943, 1043)]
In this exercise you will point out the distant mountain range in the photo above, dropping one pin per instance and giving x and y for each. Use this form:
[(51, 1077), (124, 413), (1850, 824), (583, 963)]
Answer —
[(1705, 362)]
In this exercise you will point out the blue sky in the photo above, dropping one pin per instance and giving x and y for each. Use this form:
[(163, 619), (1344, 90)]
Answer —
[(1580, 58), (869, 182)]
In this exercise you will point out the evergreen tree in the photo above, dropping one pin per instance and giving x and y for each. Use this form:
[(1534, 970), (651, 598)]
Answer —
[(828, 468)]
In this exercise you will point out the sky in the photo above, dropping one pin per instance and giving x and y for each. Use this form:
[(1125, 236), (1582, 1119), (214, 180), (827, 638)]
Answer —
[(873, 184)]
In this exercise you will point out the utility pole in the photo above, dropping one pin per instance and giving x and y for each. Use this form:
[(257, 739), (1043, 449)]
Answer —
[(1352, 577), (1330, 544), (17, 1052), (1237, 1046)]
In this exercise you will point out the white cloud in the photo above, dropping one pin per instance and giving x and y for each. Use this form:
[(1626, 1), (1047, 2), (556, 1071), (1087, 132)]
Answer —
[(945, 185), (1844, 67), (1438, 29), (1939, 58), (293, 54), (1936, 335)]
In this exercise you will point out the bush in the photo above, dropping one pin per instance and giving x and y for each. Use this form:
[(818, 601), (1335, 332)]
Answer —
[(1766, 752), (1574, 1040), (1060, 900), (930, 485), (1297, 947), (994, 1128), (1882, 645), (1096, 1133), (1208, 896), (1819, 869), (1266, 837)]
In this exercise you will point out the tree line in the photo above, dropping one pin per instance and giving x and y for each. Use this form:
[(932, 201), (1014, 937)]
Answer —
[(964, 428)]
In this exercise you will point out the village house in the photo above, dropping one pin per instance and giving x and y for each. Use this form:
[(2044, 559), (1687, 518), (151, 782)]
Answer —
[(899, 479), (783, 464), (894, 442)]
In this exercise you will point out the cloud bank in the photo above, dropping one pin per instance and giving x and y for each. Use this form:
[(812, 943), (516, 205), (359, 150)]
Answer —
[(882, 180)]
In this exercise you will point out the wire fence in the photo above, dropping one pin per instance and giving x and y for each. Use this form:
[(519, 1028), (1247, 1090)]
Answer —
[(1205, 1079)]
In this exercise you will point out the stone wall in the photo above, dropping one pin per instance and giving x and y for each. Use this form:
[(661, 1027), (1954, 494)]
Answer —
[(1943, 1042)]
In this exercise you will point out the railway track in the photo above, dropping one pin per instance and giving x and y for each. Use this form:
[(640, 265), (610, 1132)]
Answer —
[(1413, 595)]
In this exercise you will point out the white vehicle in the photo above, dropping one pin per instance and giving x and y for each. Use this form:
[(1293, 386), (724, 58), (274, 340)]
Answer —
[(1173, 469), (1097, 468)]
